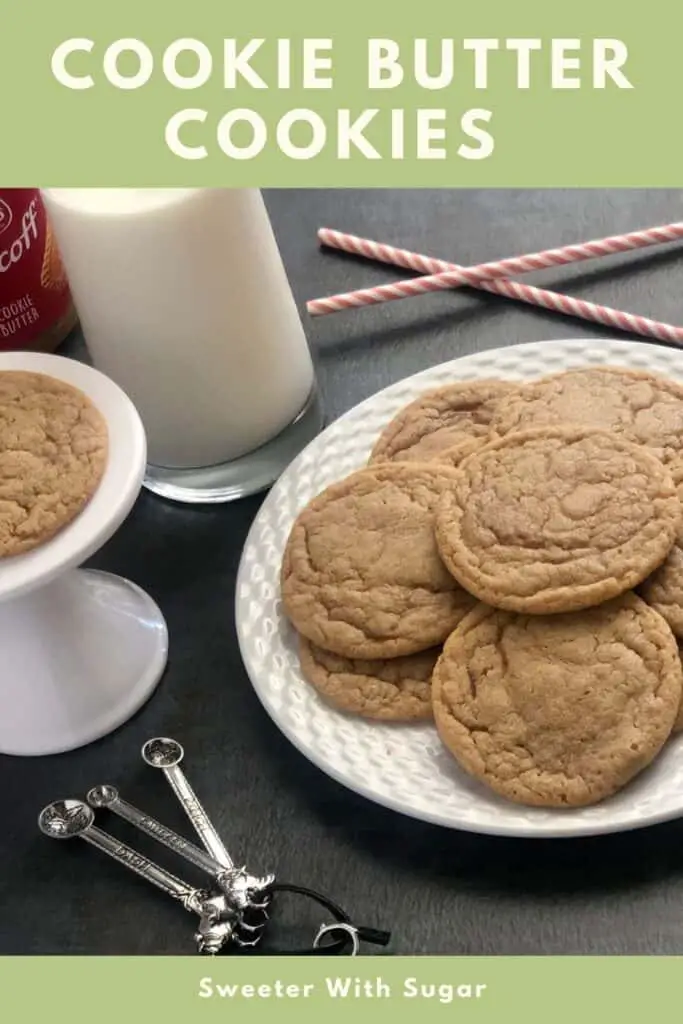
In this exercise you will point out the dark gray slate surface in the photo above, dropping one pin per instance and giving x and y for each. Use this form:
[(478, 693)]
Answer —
[(440, 892)]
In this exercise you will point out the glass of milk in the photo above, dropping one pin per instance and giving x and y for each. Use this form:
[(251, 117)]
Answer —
[(184, 302)]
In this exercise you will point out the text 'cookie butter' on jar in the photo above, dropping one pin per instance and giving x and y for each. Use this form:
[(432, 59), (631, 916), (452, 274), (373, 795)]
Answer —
[(36, 309)]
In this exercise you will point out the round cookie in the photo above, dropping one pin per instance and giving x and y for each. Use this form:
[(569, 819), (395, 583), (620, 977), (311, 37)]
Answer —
[(560, 711), (663, 590), (644, 407), (678, 724), (396, 690), (440, 419), (53, 451), (361, 574), (459, 452), (557, 519)]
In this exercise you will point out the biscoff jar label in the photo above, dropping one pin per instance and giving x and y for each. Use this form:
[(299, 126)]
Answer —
[(36, 310)]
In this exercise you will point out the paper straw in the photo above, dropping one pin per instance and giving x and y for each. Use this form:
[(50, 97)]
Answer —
[(554, 301), (458, 277)]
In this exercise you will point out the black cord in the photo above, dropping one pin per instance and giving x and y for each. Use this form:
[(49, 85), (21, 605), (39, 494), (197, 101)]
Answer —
[(336, 946)]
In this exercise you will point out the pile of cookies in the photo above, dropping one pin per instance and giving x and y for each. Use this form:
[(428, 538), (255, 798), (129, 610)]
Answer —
[(53, 452), (510, 564)]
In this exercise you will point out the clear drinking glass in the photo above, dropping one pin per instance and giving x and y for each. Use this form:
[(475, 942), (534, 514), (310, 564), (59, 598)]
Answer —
[(184, 302)]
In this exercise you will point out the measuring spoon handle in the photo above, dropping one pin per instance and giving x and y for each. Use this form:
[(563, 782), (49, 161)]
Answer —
[(199, 819), (145, 868), (167, 837)]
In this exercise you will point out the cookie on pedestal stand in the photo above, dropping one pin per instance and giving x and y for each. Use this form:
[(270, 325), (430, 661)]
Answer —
[(82, 650)]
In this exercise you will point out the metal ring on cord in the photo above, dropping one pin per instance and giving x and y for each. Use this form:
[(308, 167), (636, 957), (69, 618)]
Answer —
[(328, 929)]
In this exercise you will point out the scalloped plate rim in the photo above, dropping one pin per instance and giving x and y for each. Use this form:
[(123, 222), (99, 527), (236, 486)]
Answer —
[(558, 826)]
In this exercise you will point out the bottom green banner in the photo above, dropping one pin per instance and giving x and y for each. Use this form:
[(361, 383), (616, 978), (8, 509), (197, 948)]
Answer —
[(533, 990)]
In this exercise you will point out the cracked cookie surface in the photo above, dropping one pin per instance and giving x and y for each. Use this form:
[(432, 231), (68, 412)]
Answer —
[(557, 519), (53, 451), (663, 590), (459, 452), (361, 574), (560, 711), (641, 406), (394, 690), (440, 419)]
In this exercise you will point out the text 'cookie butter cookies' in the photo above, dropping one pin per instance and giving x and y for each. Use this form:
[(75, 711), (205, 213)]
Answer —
[(439, 419), (559, 711), (53, 451), (557, 519), (361, 573), (393, 690), (641, 406)]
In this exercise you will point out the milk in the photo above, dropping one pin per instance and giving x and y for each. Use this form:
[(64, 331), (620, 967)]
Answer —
[(184, 302)]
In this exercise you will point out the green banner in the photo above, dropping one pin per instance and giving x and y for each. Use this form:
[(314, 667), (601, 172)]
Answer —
[(527, 990), (531, 93)]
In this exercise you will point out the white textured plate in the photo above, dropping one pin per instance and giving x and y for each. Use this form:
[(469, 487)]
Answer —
[(405, 767)]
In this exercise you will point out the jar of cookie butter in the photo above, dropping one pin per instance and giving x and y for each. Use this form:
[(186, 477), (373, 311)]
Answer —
[(36, 309)]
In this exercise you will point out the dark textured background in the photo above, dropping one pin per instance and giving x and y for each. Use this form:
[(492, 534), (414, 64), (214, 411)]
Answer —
[(440, 891)]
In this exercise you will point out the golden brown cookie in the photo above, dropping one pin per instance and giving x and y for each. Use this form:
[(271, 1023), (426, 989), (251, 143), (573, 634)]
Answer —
[(394, 690), (459, 452), (678, 724), (53, 451), (361, 574), (644, 407), (557, 519), (559, 711), (440, 419), (663, 590)]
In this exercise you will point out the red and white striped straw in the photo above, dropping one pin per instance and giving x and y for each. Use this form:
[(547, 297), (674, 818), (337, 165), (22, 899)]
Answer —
[(554, 301), (455, 276)]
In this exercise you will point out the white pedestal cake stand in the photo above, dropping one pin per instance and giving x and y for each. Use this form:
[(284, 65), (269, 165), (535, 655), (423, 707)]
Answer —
[(80, 650)]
